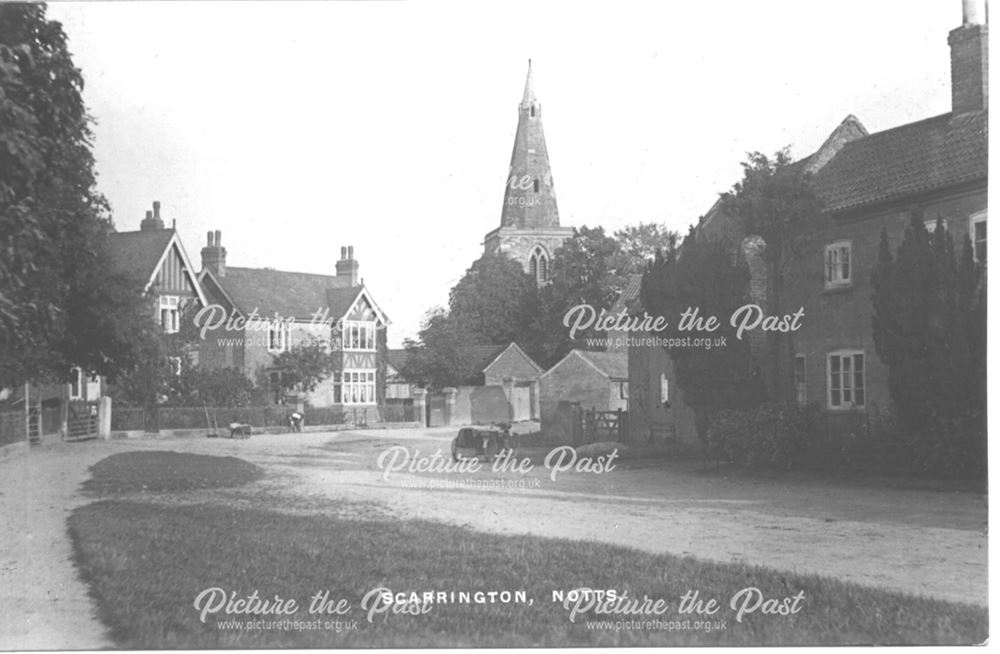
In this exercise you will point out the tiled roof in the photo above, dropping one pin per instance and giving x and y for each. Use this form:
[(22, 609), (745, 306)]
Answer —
[(137, 253), (482, 355), (930, 154), (612, 364), (629, 293), (397, 358), (288, 294)]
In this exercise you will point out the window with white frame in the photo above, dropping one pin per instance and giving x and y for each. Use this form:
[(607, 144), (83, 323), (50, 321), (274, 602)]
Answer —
[(359, 335), (623, 390), (977, 234), (664, 389), (354, 387), (800, 378), (278, 336), (838, 264), (174, 366), (846, 379), (170, 313)]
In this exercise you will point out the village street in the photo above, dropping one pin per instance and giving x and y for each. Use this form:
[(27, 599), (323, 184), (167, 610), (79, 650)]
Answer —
[(858, 532)]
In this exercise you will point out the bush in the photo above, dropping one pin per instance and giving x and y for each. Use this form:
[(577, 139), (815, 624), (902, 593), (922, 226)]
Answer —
[(770, 435)]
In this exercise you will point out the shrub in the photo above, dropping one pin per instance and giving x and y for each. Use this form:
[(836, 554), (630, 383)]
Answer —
[(770, 435)]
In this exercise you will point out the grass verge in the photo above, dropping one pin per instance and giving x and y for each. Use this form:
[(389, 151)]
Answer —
[(147, 563)]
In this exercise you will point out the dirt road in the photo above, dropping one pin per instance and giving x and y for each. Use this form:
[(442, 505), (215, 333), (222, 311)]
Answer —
[(921, 542)]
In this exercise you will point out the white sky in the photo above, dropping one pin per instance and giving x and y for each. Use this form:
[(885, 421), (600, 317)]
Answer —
[(296, 128)]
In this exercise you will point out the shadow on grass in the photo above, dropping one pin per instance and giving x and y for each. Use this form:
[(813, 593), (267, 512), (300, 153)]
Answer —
[(162, 471)]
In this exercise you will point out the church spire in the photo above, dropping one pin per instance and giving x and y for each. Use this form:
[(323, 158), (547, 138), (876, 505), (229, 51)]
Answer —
[(530, 199), (529, 90)]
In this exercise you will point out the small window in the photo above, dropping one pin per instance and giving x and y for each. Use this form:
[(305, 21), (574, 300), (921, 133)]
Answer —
[(536, 186), (278, 336), (977, 233), (623, 390), (846, 375), (838, 264), (664, 390), (170, 315), (800, 378), (174, 366), (532, 111)]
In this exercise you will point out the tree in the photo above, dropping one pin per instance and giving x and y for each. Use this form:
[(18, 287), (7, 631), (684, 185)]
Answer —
[(929, 327), (217, 387), (708, 275), (60, 306), (305, 365), (590, 268), (440, 356), (495, 301), (641, 241), (775, 201)]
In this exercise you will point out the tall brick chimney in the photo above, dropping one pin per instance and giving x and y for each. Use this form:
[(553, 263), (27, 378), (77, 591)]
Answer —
[(152, 219), (970, 59), (213, 255), (347, 267)]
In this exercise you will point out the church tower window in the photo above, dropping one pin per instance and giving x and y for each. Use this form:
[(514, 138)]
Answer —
[(538, 265), (532, 111)]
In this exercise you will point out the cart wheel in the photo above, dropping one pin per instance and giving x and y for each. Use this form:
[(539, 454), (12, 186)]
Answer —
[(491, 449)]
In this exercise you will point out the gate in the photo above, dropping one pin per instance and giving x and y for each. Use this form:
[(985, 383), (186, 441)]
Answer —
[(603, 426), (81, 422)]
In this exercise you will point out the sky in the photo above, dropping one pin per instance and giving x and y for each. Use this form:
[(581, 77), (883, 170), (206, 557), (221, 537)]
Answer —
[(299, 127)]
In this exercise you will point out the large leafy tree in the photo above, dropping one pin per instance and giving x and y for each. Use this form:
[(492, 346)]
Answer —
[(640, 243), (590, 268), (775, 201), (929, 327), (495, 301), (60, 305), (709, 276)]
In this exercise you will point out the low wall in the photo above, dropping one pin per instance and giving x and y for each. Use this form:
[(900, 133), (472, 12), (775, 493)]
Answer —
[(223, 432)]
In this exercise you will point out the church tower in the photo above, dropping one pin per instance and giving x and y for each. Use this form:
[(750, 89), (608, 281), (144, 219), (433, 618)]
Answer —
[(529, 229)]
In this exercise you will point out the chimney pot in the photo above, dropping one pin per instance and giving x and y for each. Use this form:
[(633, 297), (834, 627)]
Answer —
[(973, 12), (156, 209), (149, 215), (350, 252), (343, 253), (211, 239), (218, 238)]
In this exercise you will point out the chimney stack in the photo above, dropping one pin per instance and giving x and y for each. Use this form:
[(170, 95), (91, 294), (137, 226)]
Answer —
[(152, 220), (213, 255), (347, 267), (970, 59)]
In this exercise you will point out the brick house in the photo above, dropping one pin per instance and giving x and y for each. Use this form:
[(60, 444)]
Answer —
[(936, 167), (256, 314), (594, 380), (155, 261)]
